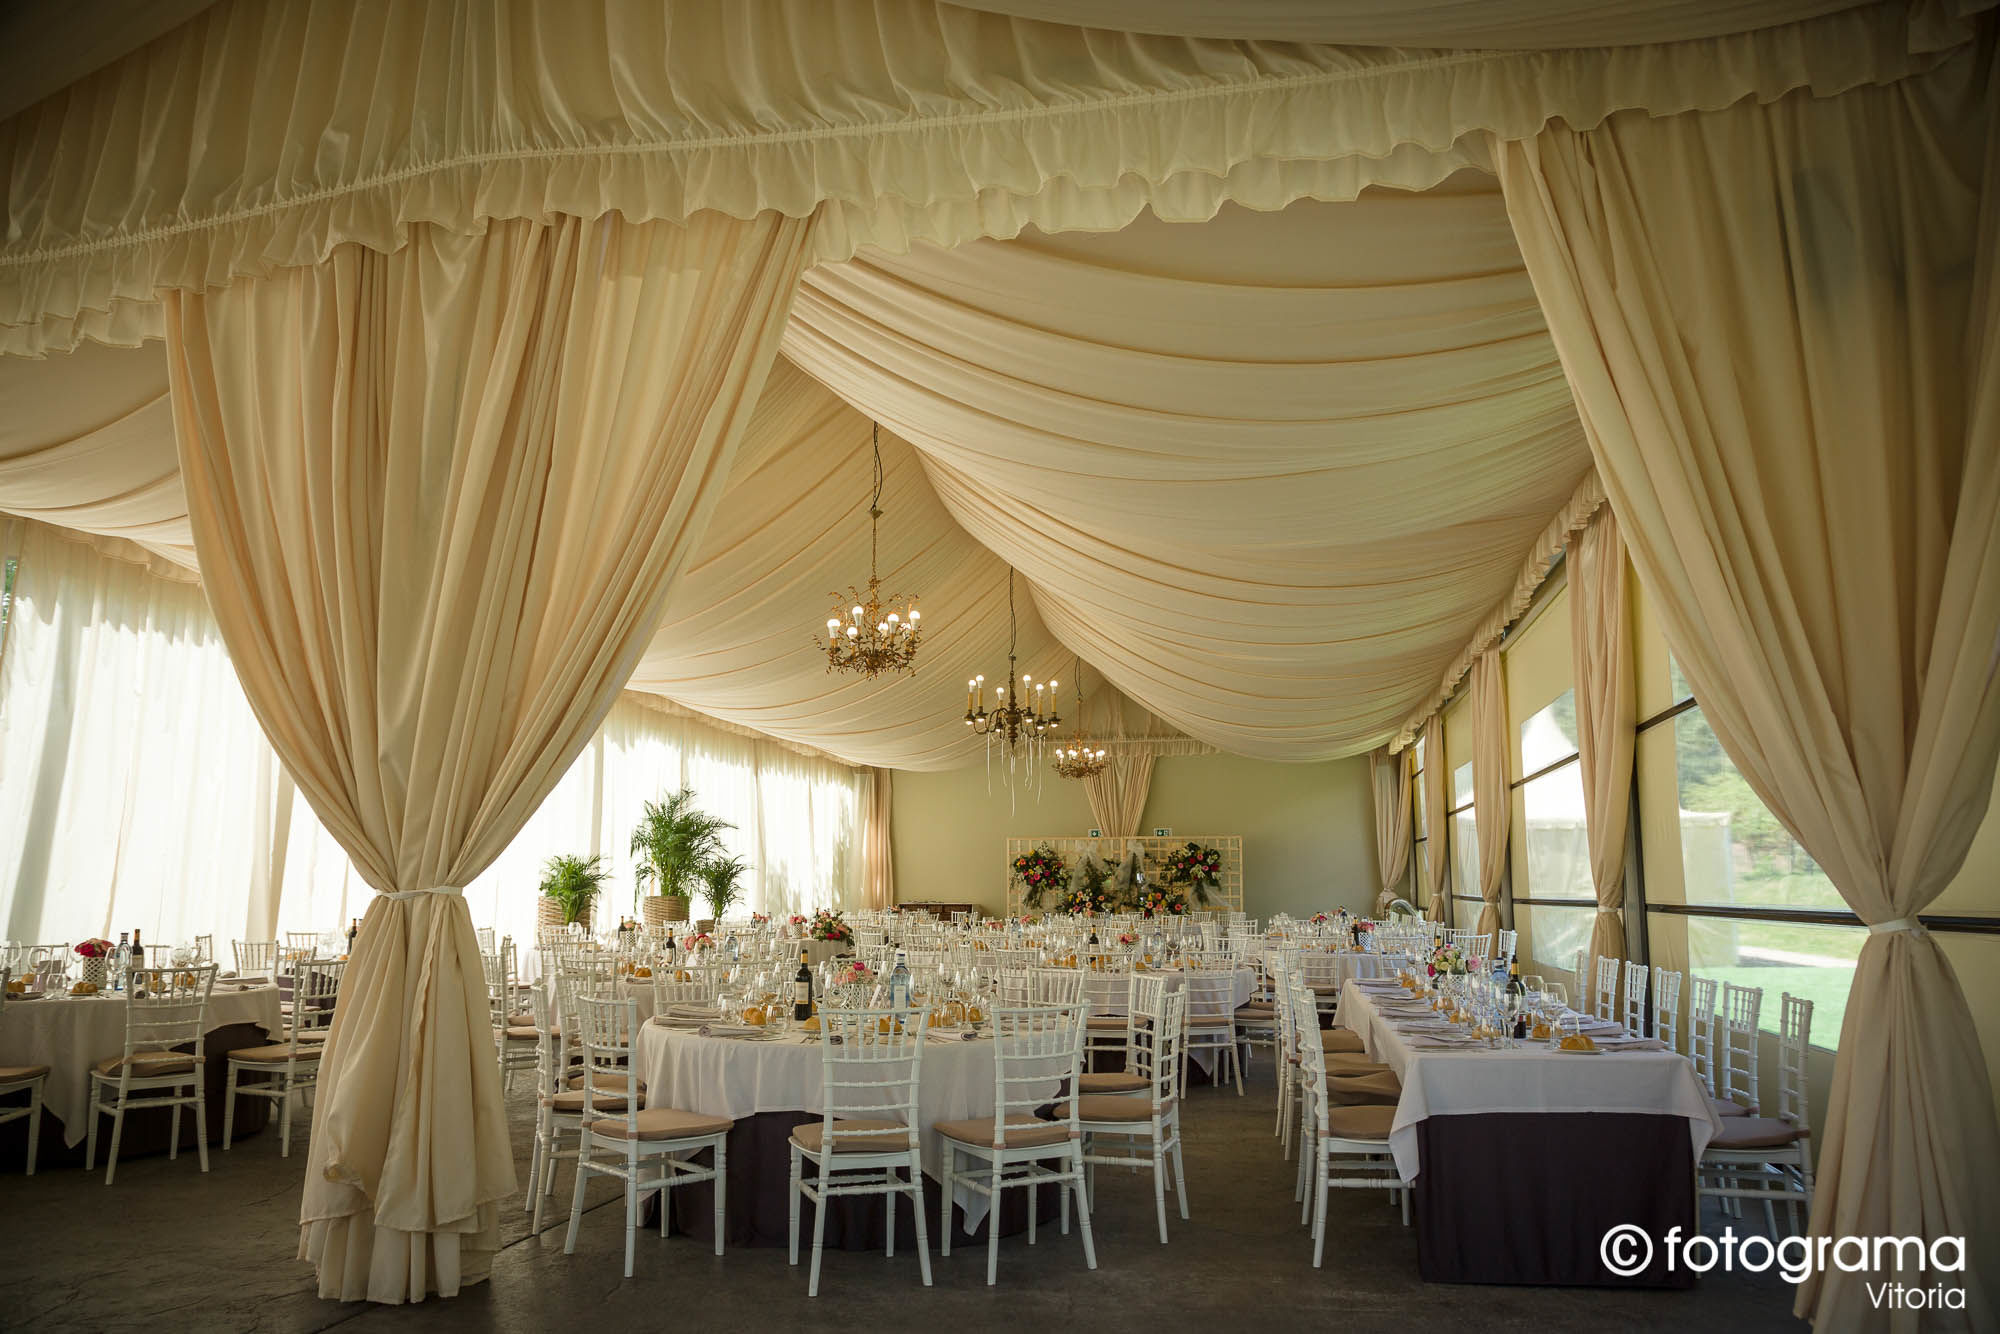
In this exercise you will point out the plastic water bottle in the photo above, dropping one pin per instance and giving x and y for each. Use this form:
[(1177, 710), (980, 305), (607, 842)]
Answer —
[(733, 947), (899, 984)]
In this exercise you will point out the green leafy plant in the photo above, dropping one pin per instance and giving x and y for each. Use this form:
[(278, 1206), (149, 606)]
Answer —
[(722, 883), (674, 839), (574, 883)]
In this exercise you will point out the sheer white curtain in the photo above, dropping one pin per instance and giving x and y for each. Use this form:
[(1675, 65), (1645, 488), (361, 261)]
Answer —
[(139, 792)]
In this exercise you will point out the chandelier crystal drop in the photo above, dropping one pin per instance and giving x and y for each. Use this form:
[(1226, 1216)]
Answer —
[(1018, 729), (862, 635), (1079, 759)]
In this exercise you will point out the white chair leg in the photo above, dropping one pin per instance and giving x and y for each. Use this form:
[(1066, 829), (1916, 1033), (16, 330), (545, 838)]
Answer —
[(819, 1231), (35, 1124), (90, 1150), (1180, 1177), (174, 1129), (793, 1228), (993, 1228), (1160, 1190), (721, 1192), (117, 1133), (229, 1110), (947, 1191), (631, 1209), (1083, 1219), (576, 1198), (923, 1232), (201, 1122)]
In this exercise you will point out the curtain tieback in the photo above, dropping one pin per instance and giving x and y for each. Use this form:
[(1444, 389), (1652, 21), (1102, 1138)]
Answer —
[(1909, 924), (414, 893)]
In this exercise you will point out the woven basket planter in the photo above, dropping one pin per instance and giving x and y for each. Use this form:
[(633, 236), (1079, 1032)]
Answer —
[(660, 909), (548, 914)]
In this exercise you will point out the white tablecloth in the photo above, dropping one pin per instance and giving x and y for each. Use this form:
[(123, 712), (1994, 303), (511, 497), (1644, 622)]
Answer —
[(69, 1034), (736, 1078), (1472, 1080)]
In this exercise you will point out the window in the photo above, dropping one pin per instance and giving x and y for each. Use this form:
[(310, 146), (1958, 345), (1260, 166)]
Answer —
[(1464, 848), (1557, 839), (1421, 838)]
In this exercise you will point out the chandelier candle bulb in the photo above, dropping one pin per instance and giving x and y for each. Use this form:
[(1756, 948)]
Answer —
[(891, 646)]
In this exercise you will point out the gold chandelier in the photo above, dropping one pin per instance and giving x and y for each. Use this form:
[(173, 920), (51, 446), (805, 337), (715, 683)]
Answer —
[(1017, 727), (1079, 759), (871, 641)]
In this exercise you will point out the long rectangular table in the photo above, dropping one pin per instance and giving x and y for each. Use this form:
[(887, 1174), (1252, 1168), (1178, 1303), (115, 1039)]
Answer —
[(1521, 1158)]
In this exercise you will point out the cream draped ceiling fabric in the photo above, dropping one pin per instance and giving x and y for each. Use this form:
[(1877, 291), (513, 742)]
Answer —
[(1606, 715), (357, 122), (1783, 329), (1391, 777), (440, 496), (1437, 858), (1492, 803)]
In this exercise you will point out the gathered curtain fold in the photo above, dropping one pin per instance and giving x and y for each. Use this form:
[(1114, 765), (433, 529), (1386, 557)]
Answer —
[(438, 496), (1606, 716), (1391, 775), (1781, 324), (1492, 802), (878, 862), (1437, 820), (1118, 793)]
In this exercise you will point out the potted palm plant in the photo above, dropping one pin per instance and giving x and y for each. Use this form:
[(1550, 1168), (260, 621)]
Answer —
[(673, 840), (722, 886), (570, 886)]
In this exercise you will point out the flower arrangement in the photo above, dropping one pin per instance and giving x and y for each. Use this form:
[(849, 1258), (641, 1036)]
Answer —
[(760, 919), (1025, 920), (1127, 938), (1041, 872), (95, 948), (854, 973), (829, 925), (796, 919), (1085, 902), (1198, 867), (1163, 903), (1320, 919), (699, 940), (1447, 959)]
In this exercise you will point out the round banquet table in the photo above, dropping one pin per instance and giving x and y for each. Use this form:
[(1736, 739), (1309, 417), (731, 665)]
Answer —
[(769, 1087), (70, 1034)]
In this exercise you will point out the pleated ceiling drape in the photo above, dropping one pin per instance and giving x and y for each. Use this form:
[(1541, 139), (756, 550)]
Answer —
[(1391, 775), (1492, 802), (1601, 670), (1437, 821), (1781, 325), (439, 496)]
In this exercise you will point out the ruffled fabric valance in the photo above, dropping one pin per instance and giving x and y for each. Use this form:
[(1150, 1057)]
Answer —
[(260, 137)]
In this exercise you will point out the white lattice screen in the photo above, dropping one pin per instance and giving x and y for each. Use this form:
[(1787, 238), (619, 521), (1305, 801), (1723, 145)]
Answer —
[(1229, 894)]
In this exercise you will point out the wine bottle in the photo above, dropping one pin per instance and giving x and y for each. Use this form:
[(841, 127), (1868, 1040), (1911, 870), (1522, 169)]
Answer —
[(353, 930), (138, 951), (802, 990), (1514, 987)]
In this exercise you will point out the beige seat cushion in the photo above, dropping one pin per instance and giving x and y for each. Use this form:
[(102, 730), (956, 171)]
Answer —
[(1364, 1122), (602, 1102), (1349, 1090), (520, 1032), (1723, 1107), (19, 1074), (609, 1083), (1108, 1023), (1326, 988), (1023, 1132), (1104, 1107), (1340, 1040), (1352, 1063), (147, 1065), (525, 1019), (1114, 1082), (314, 1034), (656, 1123), (1756, 1132), (895, 1136), (1255, 1009), (277, 1053)]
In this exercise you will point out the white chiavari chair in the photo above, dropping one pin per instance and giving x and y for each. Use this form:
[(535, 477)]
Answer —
[(1736, 1057), (1770, 1158), (1508, 944), (1055, 986), (1703, 994), (1036, 1051), (1139, 1004), (28, 1079), (301, 944), (622, 1139), (1348, 1145), (513, 1042), (1604, 993), (1667, 1006), (1211, 1023), (486, 941), (866, 1140), (291, 1066), (1105, 991), (1142, 1133), (1637, 979), (166, 1011), (255, 958)]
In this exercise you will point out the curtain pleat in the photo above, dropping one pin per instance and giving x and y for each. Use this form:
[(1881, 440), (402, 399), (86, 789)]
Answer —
[(1781, 326), (1437, 820), (1606, 714), (1391, 775), (1492, 802)]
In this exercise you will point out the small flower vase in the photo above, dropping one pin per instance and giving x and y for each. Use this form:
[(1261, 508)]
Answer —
[(92, 972)]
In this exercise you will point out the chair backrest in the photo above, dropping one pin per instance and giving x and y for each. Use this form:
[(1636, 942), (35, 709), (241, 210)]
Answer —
[(315, 993), (167, 1008), (1604, 995), (1367, 966), (1156, 1057), (1737, 1058), (1107, 991), (1310, 1054), (1667, 1006), (871, 1066), (1055, 986), (1794, 1036), (550, 1060), (1702, 993), (1509, 944), (1037, 1051), (204, 949), (1211, 998), (498, 1000), (604, 1029), (485, 934), (1636, 981), (256, 956), (668, 991), (302, 940)]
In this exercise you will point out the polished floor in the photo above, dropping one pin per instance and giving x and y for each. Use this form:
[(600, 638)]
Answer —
[(168, 1249)]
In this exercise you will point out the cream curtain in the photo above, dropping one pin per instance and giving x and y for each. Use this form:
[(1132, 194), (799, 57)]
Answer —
[(439, 496), (1492, 802), (361, 122), (1437, 804), (1391, 775), (1782, 329), (1264, 473), (1606, 714), (878, 851), (1118, 793)]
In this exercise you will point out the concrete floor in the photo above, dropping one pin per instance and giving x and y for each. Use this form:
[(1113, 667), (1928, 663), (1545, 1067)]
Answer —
[(167, 1249)]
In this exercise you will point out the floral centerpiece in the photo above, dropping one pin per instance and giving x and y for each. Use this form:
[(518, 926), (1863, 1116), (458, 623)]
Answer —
[(1447, 959), (1086, 902), (94, 953), (1195, 866), (855, 974), (1157, 902), (699, 940), (1025, 920), (1127, 938), (1320, 919), (827, 924), (1040, 873), (760, 919)]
